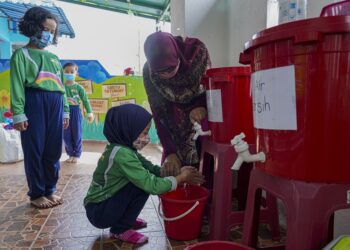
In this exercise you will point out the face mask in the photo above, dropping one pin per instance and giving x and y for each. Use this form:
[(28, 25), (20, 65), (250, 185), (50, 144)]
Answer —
[(45, 40), (69, 77), (140, 143)]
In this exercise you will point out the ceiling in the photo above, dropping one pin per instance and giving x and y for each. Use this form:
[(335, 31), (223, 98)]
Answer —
[(155, 9), (15, 11)]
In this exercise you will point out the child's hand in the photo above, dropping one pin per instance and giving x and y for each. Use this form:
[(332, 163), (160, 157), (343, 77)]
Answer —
[(21, 126), (90, 119), (190, 175), (65, 123)]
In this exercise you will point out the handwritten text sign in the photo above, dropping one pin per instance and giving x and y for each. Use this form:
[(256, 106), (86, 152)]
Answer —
[(274, 105)]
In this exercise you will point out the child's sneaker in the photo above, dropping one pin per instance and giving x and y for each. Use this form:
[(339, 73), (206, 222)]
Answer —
[(139, 223), (131, 236)]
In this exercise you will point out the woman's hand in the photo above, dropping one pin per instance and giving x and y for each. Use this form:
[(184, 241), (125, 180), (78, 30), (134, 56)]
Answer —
[(190, 175), (21, 126), (65, 123), (171, 166), (198, 114)]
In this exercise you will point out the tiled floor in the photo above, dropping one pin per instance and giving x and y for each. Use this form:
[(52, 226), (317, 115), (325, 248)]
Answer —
[(66, 226)]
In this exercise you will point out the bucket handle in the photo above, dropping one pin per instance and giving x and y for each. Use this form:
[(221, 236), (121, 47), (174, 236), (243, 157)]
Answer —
[(179, 216)]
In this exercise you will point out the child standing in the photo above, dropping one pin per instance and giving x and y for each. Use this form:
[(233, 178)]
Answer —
[(39, 105), (124, 179), (75, 93)]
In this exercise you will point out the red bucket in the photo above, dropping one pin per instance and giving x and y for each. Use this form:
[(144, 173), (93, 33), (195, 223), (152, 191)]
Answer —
[(229, 103), (183, 211), (216, 245)]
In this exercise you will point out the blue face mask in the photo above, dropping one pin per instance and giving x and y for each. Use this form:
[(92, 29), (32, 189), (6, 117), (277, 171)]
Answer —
[(69, 77), (45, 40)]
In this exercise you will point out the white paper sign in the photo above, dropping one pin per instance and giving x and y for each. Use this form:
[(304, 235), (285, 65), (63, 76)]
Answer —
[(214, 105), (274, 105)]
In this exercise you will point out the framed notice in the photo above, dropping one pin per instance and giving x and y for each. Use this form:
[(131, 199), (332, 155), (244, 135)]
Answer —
[(113, 90), (122, 102), (87, 85), (99, 106)]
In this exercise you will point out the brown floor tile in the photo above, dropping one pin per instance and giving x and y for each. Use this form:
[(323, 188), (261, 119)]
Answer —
[(24, 211), (12, 169), (15, 240), (73, 195), (9, 187), (70, 205), (177, 243), (108, 243), (60, 226), (68, 243)]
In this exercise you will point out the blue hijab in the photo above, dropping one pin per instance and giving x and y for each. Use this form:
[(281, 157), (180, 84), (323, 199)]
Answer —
[(125, 123)]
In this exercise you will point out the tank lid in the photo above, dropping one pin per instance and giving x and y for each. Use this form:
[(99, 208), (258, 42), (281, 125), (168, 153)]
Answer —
[(232, 71), (303, 31)]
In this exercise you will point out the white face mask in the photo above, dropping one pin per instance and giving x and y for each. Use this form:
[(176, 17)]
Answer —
[(140, 143)]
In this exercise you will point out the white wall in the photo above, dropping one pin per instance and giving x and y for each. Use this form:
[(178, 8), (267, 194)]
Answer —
[(208, 20), (314, 7), (245, 19), (177, 12), (223, 25)]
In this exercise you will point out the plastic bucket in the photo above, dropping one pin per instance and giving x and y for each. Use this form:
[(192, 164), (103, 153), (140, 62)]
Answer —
[(218, 245), (183, 211), (229, 103)]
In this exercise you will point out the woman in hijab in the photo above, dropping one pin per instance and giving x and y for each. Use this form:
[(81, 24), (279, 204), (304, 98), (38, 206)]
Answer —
[(172, 77), (124, 179)]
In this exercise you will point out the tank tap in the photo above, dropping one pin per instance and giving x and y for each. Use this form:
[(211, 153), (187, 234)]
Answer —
[(242, 149), (199, 132)]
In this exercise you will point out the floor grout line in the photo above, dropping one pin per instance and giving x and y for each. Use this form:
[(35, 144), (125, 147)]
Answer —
[(161, 221), (31, 246)]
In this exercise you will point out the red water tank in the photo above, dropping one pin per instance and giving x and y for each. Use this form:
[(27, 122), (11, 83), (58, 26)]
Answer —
[(301, 98), (229, 103)]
